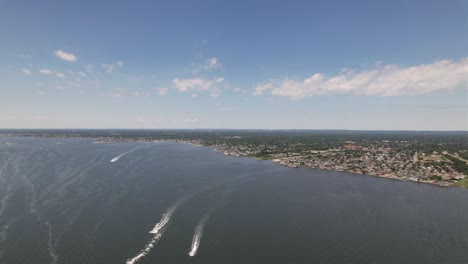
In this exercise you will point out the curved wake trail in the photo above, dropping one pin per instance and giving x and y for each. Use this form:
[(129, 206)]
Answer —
[(116, 158), (157, 231), (160, 227), (197, 235)]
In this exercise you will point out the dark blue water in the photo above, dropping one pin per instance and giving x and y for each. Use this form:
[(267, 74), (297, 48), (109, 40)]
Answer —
[(63, 201)]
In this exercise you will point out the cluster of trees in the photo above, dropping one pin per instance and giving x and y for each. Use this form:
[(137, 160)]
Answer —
[(458, 165)]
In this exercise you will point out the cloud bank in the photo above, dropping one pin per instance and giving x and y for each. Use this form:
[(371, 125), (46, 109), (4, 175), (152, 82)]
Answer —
[(382, 80)]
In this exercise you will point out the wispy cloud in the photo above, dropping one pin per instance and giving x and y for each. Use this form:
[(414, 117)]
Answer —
[(46, 71), (111, 67), (381, 80), (213, 63), (161, 91), (240, 91), (65, 55), (197, 85), (144, 120), (26, 71), (89, 68), (118, 92), (206, 65), (49, 72), (263, 87)]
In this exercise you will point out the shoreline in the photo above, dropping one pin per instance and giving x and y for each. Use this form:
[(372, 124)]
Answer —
[(99, 140), (439, 184)]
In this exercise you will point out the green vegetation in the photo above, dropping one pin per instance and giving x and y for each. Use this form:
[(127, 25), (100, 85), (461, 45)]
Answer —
[(438, 178), (463, 183), (263, 156), (464, 155), (458, 165)]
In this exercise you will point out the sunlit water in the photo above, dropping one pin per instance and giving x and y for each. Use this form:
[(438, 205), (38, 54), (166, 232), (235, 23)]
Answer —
[(72, 201)]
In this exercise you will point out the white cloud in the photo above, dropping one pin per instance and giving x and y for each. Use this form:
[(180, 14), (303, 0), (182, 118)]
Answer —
[(116, 95), (59, 74), (46, 71), (261, 88), (65, 56), (111, 67), (240, 91), (161, 91), (381, 80), (198, 85), (192, 120), (213, 63), (26, 71), (206, 65), (82, 74)]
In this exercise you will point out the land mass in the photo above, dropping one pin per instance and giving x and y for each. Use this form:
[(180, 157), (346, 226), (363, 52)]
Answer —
[(439, 158)]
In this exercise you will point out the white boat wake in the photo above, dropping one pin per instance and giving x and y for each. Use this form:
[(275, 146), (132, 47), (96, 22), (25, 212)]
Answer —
[(3, 234), (197, 235), (116, 158), (50, 244), (157, 231), (4, 201)]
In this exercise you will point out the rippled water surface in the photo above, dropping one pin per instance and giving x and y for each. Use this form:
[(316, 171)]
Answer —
[(64, 201)]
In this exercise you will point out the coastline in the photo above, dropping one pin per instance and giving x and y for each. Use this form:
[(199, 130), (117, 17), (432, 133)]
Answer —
[(439, 184), (100, 140)]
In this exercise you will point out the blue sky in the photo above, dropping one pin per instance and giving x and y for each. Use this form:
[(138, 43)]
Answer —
[(237, 64)]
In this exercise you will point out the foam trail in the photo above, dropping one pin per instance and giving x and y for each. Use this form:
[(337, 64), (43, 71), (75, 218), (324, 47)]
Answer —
[(116, 158), (157, 231), (3, 234), (159, 228), (50, 244), (197, 235), (4, 201)]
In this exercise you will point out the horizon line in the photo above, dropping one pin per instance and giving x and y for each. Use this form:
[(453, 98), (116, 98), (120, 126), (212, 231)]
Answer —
[(259, 129)]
